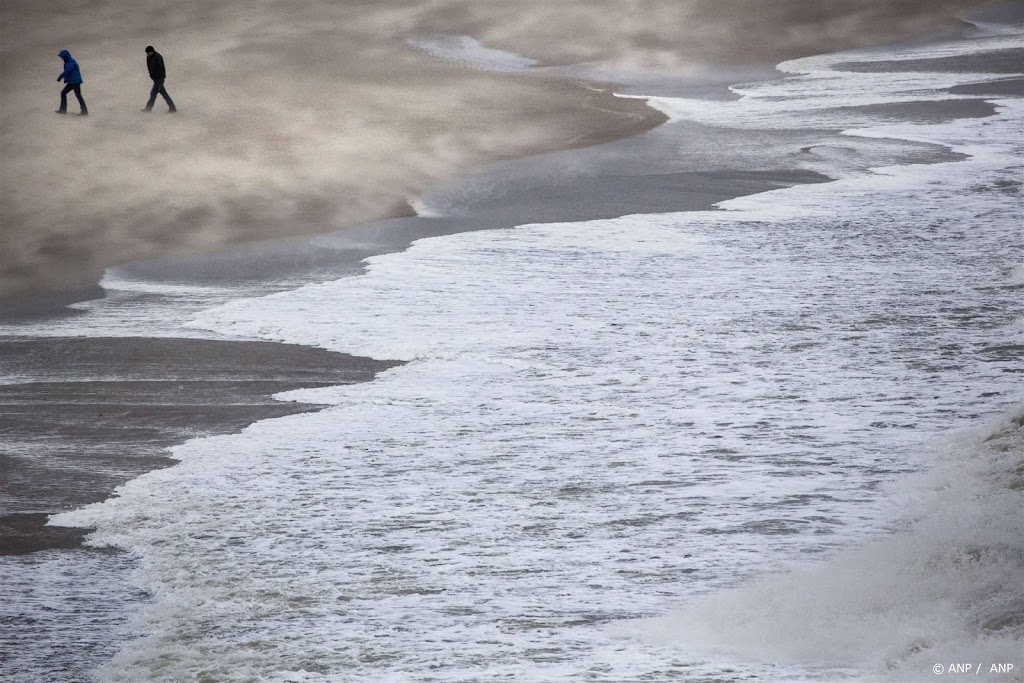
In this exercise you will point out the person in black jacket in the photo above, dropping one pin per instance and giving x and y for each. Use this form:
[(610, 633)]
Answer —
[(158, 73)]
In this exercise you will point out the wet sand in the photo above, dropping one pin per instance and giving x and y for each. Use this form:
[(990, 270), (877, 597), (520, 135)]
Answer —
[(1010, 87), (114, 405), (1009, 61), (924, 111)]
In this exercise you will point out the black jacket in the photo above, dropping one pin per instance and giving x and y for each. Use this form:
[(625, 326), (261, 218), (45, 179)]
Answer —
[(156, 66)]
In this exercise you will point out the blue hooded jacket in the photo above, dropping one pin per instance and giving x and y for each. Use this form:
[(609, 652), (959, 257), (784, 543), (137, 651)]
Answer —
[(71, 75)]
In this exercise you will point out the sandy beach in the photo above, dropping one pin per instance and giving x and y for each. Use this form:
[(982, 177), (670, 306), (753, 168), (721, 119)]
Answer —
[(330, 118)]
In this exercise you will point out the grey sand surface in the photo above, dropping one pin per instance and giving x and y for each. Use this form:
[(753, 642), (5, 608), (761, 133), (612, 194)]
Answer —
[(97, 412)]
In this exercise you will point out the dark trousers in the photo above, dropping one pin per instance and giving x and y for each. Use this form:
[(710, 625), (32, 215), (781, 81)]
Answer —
[(158, 89), (77, 87)]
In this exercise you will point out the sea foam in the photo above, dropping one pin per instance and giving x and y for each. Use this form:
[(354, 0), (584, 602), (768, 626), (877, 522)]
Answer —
[(947, 587)]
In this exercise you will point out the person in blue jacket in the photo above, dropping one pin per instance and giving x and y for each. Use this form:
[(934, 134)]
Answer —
[(72, 76)]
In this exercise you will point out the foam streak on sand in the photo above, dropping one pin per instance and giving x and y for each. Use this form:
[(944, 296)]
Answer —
[(601, 420)]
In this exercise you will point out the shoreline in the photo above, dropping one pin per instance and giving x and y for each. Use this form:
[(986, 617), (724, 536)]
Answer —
[(25, 530), (120, 403), (144, 410)]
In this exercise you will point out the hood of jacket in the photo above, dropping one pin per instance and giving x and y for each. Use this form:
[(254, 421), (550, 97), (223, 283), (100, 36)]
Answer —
[(64, 54)]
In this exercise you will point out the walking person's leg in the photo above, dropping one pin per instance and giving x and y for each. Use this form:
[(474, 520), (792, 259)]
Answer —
[(157, 87), (81, 101), (167, 98), (64, 99)]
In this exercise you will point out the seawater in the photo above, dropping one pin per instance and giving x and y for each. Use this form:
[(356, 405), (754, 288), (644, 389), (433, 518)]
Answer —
[(780, 440)]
